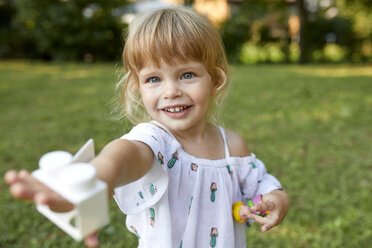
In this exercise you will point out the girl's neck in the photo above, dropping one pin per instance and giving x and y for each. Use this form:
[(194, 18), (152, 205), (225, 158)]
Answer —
[(196, 134), (203, 142)]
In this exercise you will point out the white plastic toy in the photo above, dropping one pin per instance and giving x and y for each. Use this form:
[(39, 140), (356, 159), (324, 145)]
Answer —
[(75, 180)]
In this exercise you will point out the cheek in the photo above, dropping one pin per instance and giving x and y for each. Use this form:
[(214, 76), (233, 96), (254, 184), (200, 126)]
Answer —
[(146, 100), (149, 100), (204, 92), (203, 98)]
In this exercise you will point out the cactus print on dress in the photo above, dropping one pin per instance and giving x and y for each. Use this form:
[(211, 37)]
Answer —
[(214, 234), (173, 160), (213, 191)]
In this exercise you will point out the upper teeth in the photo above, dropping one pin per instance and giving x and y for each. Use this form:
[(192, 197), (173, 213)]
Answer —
[(176, 109)]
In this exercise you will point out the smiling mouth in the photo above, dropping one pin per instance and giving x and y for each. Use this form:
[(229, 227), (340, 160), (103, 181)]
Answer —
[(176, 109)]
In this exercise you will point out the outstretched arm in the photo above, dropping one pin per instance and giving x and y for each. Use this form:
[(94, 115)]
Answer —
[(119, 163), (122, 162)]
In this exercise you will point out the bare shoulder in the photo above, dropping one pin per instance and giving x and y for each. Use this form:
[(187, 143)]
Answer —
[(237, 145)]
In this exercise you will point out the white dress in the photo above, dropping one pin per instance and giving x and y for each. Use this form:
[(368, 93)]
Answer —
[(185, 201)]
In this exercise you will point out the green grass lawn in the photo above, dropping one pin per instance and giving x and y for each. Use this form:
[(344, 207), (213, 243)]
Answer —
[(311, 125)]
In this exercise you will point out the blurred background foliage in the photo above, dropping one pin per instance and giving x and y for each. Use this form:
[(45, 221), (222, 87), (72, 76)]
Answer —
[(258, 31), (60, 30), (300, 31)]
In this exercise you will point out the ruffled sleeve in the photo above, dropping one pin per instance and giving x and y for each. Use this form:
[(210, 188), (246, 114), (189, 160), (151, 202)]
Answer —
[(135, 197), (254, 179)]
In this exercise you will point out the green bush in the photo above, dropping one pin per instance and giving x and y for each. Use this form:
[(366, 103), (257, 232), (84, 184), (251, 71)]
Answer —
[(68, 30), (270, 52)]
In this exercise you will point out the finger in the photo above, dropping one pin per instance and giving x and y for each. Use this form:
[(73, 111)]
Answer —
[(10, 177), (23, 174), (91, 240), (20, 191), (22, 184), (259, 219), (264, 206), (13, 176), (269, 224), (54, 201), (272, 220)]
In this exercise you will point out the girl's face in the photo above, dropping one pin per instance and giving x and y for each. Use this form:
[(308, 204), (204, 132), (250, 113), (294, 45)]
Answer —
[(177, 95)]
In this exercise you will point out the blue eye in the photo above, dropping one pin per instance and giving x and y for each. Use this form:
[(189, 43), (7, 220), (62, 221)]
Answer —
[(153, 80), (188, 75)]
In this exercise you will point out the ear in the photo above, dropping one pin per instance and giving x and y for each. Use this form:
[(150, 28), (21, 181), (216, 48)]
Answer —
[(220, 81)]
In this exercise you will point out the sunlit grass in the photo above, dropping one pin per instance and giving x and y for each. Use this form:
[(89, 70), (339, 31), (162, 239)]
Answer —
[(309, 124), (334, 71)]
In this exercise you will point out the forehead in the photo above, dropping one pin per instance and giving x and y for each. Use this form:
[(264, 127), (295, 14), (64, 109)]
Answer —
[(159, 53)]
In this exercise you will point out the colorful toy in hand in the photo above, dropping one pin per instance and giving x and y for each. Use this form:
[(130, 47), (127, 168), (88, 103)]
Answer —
[(238, 206)]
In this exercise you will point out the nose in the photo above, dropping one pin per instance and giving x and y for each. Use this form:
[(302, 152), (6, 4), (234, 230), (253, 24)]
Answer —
[(171, 89)]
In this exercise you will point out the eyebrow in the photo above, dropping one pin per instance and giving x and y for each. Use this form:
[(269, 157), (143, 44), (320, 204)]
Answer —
[(145, 73)]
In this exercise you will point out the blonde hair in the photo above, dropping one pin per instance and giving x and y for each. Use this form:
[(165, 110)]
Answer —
[(171, 34)]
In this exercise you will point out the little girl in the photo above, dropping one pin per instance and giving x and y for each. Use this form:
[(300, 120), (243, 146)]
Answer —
[(175, 174)]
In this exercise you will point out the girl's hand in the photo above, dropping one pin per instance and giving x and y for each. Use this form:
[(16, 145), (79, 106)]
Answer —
[(277, 204), (24, 186)]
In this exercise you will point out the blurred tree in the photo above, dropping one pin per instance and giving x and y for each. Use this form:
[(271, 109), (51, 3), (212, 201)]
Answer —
[(360, 14), (69, 30), (259, 22), (304, 50), (7, 37), (321, 26)]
